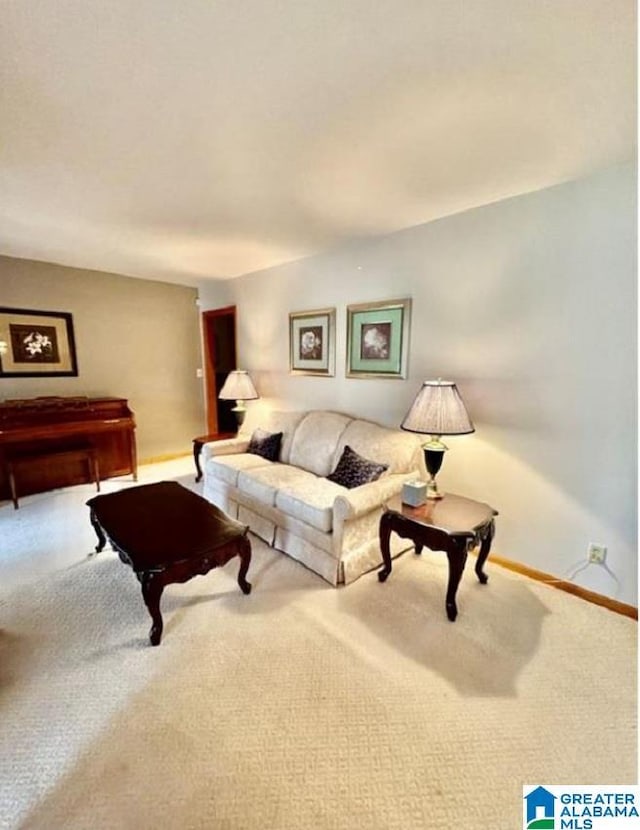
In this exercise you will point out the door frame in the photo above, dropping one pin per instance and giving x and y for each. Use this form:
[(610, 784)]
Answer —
[(211, 391)]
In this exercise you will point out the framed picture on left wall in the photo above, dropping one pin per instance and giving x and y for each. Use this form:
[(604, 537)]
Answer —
[(36, 344), (312, 342)]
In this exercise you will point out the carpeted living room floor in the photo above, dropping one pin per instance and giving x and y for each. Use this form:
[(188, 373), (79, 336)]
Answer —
[(299, 706)]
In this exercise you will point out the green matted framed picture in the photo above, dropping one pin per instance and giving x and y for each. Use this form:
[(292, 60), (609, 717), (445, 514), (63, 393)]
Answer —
[(36, 344), (312, 342), (378, 339)]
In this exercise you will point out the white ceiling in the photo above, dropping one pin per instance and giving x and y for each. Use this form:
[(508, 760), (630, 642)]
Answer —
[(190, 139)]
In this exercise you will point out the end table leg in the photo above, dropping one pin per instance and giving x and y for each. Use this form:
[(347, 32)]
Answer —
[(384, 533), (102, 539), (418, 547), (457, 556), (244, 552), (197, 447), (487, 538), (152, 587)]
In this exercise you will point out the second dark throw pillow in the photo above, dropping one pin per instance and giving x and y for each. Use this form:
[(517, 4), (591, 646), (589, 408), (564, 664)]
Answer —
[(266, 444), (353, 470)]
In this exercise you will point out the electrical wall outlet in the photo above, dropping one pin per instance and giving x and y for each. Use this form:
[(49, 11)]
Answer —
[(597, 553)]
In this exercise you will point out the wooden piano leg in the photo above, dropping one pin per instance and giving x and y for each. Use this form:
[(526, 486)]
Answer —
[(133, 454), (94, 468), (12, 485)]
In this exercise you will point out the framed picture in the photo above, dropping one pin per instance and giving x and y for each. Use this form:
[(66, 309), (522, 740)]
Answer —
[(312, 342), (36, 344), (378, 339)]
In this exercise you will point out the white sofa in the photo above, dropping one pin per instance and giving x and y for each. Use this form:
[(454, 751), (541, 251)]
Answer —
[(293, 507)]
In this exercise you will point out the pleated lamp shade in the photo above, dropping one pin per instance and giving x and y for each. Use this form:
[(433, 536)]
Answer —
[(438, 410), (238, 387)]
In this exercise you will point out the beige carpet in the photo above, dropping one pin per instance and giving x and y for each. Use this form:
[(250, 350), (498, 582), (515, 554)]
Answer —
[(301, 706)]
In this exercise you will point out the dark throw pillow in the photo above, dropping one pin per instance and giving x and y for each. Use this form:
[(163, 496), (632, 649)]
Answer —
[(266, 444), (353, 470)]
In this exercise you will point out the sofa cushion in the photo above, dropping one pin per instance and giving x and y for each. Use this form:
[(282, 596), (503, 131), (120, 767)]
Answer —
[(315, 441), (309, 499), (401, 451), (262, 483), (286, 423), (266, 444), (353, 470), (227, 468)]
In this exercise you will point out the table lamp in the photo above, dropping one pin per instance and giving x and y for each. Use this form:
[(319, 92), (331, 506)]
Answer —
[(238, 387), (437, 410)]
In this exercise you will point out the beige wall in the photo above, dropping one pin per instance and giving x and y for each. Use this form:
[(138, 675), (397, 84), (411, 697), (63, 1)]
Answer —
[(135, 339), (529, 304)]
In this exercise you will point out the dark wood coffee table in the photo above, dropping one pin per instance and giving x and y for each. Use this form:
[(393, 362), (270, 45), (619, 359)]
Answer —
[(168, 534), (453, 524)]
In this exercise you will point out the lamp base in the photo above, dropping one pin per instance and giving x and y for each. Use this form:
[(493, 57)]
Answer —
[(432, 490), (240, 411), (434, 451)]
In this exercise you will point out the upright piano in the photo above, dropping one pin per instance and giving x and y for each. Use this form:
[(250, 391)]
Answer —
[(44, 428)]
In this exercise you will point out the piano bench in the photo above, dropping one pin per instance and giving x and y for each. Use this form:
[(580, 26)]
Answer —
[(85, 453)]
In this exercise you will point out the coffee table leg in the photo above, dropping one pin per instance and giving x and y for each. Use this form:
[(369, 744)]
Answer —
[(244, 552), (457, 556), (152, 587), (485, 547), (384, 533), (102, 539)]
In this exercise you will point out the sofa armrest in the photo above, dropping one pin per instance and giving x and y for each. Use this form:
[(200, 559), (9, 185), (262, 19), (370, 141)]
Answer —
[(363, 499), (227, 446)]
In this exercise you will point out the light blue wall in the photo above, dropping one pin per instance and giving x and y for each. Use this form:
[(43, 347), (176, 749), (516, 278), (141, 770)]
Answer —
[(529, 304)]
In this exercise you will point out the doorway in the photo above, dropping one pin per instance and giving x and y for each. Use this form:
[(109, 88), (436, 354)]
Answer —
[(219, 333)]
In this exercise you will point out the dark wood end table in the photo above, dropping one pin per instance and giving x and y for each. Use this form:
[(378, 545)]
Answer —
[(167, 534), (200, 441), (453, 524)]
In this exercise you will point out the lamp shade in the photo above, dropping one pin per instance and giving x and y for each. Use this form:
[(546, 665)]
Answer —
[(438, 410), (238, 387)]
